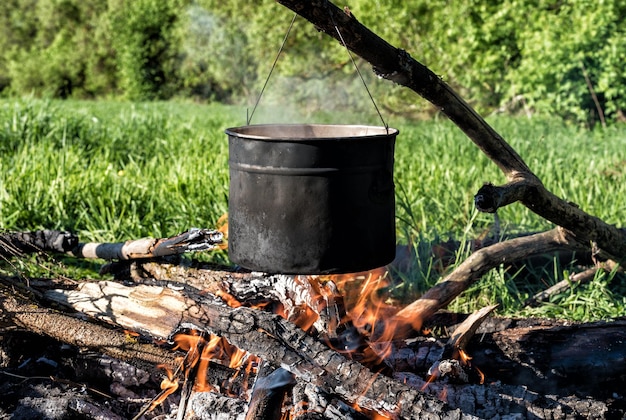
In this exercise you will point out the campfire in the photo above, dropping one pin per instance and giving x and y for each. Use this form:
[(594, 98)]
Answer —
[(170, 338), (216, 339), (347, 312)]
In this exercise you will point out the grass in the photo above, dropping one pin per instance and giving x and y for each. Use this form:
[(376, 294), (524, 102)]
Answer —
[(113, 171)]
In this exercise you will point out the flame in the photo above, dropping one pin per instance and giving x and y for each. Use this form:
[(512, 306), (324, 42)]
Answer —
[(222, 226), (465, 359), (368, 311), (430, 379), (200, 350), (481, 375), (303, 316), (169, 385), (443, 396), (228, 298)]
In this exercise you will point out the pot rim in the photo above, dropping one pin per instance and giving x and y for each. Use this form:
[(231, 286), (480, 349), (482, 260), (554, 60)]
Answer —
[(272, 132)]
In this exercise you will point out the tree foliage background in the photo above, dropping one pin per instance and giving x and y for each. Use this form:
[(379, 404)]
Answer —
[(554, 57)]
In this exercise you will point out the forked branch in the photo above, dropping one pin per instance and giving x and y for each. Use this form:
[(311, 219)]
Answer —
[(398, 66)]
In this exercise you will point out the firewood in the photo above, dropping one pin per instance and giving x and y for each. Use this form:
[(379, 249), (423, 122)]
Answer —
[(19, 243), (27, 314), (465, 331), (161, 311), (474, 267), (281, 343), (270, 389)]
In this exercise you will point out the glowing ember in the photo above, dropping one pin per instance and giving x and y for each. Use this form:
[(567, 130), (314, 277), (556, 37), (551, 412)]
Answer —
[(228, 298)]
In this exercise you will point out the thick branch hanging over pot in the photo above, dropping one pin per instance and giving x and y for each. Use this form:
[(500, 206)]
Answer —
[(398, 66)]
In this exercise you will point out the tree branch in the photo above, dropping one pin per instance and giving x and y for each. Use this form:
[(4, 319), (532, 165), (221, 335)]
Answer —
[(398, 66)]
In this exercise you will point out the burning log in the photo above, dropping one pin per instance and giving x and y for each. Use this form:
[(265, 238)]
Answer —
[(272, 338), (282, 344), (327, 383)]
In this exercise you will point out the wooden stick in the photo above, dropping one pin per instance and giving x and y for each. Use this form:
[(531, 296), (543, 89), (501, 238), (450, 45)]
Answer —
[(578, 278), (14, 244), (20, 243), (193, 240), (465, 331), (473, 268)]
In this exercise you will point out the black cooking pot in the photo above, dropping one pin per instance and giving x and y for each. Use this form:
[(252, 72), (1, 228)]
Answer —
[(311, 198)]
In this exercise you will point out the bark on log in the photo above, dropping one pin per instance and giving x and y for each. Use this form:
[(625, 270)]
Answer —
[(523, 185), (27, 314), (282, 344), (14, 244)]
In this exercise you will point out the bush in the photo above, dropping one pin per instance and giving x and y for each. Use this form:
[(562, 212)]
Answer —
[(535, 56), (56, 49), (143, 35)]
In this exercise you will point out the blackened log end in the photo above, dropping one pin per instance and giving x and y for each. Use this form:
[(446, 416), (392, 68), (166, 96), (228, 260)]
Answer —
[(486, 199)]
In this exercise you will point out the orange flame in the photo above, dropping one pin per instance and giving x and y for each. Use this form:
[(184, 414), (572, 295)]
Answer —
[(201, 350), (444, 394), (430, 380), (304, 317), (228, 298), (367, 309), (169, 385), (465, 359), (222, 226)]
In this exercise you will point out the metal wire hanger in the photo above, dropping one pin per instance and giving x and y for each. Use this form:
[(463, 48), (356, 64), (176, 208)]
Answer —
[(343, 42)]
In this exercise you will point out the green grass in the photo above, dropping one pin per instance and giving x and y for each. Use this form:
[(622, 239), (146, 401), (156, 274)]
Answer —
[(113, 171)]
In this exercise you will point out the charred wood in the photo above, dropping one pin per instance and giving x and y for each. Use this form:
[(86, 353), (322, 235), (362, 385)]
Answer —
[(283, 344), (19, 243), (268, 336)]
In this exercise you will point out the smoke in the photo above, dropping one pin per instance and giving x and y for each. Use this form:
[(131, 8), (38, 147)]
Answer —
[(314, 80), (316, 98)]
